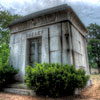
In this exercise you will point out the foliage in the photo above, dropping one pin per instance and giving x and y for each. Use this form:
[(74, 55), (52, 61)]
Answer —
[(5, 19), (4, 53), (55, 80), (7, 72), (94, 45)]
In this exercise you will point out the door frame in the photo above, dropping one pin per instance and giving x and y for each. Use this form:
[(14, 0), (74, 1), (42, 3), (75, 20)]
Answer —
[(27, 48)]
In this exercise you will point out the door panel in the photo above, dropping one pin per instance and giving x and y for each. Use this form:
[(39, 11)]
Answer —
[(35, 51)]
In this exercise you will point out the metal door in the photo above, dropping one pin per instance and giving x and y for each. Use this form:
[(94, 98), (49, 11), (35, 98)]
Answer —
[(35, 51)]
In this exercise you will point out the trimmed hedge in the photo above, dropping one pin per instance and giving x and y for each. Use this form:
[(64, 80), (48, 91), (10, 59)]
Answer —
[(55, 80)]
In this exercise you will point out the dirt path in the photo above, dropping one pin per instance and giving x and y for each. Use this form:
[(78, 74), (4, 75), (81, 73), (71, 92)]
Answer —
[(91, 93)]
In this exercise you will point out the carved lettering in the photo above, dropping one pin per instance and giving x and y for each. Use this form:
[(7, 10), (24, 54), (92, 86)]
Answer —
[(34, 33)]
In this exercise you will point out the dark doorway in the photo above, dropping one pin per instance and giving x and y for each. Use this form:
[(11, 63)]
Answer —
[(35, 51)]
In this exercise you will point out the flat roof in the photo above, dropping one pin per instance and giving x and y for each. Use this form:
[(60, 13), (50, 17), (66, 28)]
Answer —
[(44, 12), (40, 13)]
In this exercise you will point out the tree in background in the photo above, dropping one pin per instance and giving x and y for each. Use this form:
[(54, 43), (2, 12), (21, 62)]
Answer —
[(5, 19), (94, 45), (7, 71)]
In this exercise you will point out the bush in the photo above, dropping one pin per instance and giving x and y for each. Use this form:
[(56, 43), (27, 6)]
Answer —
[(7, 72), (55, 80)]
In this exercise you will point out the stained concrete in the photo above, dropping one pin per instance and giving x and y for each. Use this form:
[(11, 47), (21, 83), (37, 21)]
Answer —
[(63, 40)]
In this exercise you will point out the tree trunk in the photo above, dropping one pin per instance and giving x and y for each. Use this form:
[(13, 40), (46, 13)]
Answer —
[(98, 65)]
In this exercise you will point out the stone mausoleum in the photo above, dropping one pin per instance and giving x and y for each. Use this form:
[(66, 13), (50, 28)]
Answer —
[(51, 35)]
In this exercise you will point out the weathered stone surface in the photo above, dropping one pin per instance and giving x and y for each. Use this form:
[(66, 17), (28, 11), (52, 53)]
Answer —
[(66, 50), (66, 57), (60, 13), (62, 36), (55, 57), (79, 49), (55, 30), (20, 91), (45, 47), (55, 37), (55, 43)]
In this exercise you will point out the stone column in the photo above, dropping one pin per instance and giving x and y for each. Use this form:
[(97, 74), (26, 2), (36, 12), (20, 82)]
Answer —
[(45, 46), (55, 43), (66, 44)]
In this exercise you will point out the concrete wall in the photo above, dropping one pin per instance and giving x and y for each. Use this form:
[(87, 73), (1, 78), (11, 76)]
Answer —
[(79, 48), (58, 43), (17, 53), (51, 47), (66, 44), (55, 43)]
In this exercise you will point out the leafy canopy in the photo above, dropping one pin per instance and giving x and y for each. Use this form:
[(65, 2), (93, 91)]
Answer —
[(5, 19), (94, 44)]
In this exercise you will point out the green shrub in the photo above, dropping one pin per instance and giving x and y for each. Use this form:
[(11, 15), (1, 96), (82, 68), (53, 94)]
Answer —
[(7, 72), (55, 80), (4, 54)]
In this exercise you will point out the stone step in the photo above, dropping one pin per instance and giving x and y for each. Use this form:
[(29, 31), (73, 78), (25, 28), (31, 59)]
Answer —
[(20, 91), (18, 86)]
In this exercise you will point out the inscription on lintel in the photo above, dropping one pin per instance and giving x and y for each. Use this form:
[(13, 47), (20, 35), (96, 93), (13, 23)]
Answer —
[(34, 33)]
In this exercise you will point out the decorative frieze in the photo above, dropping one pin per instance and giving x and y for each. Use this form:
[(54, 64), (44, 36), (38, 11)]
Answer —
[(39, 21)]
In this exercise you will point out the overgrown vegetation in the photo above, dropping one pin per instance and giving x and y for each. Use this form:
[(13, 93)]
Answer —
[(55, 80), (5, 19), (7, 72)]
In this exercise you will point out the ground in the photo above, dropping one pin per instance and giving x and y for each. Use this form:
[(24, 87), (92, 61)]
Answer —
[(91, 93)]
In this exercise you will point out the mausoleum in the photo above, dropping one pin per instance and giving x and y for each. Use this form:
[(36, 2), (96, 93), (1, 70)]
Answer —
[(51, 35)]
